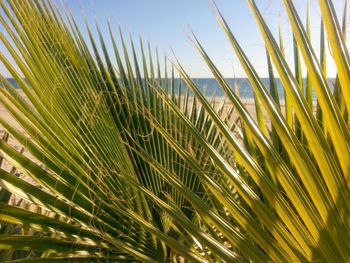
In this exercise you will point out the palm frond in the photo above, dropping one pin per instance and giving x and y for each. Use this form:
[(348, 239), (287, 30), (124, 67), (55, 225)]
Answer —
[(121, 161)]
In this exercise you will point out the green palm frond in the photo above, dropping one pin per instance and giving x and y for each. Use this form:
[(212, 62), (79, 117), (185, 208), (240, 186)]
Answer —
[(121, 161)]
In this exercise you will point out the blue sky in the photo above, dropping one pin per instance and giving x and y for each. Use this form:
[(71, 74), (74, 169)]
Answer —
[(165, 23)]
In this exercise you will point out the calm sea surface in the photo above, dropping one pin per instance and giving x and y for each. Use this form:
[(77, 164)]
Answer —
[(210, 87)]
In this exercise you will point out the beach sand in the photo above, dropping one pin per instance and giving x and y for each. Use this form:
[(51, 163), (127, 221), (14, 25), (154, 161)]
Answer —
[(249, 103)]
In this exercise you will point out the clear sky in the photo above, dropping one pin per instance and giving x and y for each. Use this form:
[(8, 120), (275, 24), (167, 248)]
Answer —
[(165, 23)]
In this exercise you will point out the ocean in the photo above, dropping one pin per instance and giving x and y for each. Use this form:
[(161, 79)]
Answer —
[(210, 87)]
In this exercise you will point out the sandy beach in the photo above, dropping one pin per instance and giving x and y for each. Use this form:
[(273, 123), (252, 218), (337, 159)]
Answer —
[(249, 104)]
